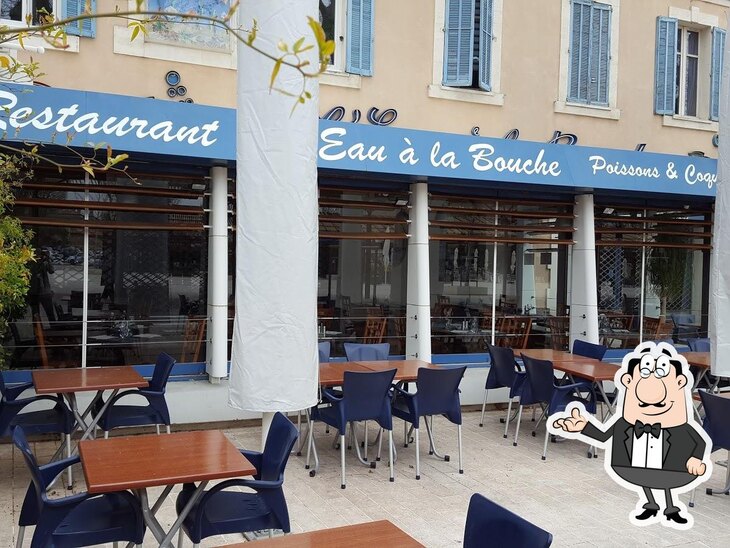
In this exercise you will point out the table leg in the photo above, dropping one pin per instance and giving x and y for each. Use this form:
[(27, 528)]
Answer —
[(165, 539), (103, 409)]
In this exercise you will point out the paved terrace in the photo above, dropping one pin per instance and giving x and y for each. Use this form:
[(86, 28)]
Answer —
[(569, 495)]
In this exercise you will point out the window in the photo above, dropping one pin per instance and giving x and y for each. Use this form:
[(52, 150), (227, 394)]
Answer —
[(198, 34), (688, 68), (18, 10), (468, 35), (590, 52)]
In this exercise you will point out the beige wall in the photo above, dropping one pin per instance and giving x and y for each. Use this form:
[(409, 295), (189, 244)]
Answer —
[(403, 70)]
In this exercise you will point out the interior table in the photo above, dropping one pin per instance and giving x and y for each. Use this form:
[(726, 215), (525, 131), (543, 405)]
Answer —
[(554, 356), (139, 462), (67, 382), (361, 535)]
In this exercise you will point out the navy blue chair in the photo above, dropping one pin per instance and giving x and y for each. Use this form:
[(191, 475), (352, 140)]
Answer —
[(504, 372), (220, 511), (437, 393), (154, 412), (324, 351), (489, 525), (717, 411), (589, 350), (365, 396), (684, 326), (356, 352), (76, 520), (542, 390), (699, 345)]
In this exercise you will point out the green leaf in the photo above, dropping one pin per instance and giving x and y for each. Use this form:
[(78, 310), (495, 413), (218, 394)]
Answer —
[(298, 44), (275, 72), (135, 32)]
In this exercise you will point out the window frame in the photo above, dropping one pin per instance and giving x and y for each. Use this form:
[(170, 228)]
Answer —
[(562, 105), (438, 90), (56, 6)]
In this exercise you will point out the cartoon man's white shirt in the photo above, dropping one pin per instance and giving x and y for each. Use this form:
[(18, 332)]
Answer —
[(647, 451)]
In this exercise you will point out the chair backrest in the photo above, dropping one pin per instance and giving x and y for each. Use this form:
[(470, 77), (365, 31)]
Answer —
[(651, 328), (438, 392), (559, 326), (541, 378), (683, 319), (717, 410), (279, 442), (589, 350), (490, 525), (515, 331), (40, 340), (502, 369), (374, 330), (699, 345), (324, 351), (192, 339), (366, 352), (2, 386), (366, 394), (163, 368), (21, 442)]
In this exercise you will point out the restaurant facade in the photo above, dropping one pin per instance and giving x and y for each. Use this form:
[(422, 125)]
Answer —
[(449, 218)]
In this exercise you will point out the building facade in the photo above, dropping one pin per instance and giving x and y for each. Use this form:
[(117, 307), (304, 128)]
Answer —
[(506, 179)]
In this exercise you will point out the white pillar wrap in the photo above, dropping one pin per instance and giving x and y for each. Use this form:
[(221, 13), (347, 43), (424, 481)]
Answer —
[(418, 299), (584, 290), (720, 261), (217, 354), (274, 360)]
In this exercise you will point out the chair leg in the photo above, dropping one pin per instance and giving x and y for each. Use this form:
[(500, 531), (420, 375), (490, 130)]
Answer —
[(180, 538), (537, 424), (309, 443), (365, 443), (484, 406), (167, 428), (157, 427), (68, 455), (692, 498), (461, 467), (390, 451), (21, 533), (106, 434), (418, 455), (405, 434), (380, 445), (517, 429), (506, 420), (544, 447), (342, 459)]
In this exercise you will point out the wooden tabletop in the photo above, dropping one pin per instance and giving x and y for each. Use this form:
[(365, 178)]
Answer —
[(59, 381), (591, 370), (406, 370), (333, 373), (698, 359), (135, 462), (552, 355), (362, 535)]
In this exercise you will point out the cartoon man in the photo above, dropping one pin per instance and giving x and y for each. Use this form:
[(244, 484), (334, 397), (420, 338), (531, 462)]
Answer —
[(654, 442)]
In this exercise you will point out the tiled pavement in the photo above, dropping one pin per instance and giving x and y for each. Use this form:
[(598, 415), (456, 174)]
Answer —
[(569, 495)]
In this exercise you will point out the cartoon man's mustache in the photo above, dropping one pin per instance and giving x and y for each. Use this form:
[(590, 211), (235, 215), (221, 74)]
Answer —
[(659, 405)]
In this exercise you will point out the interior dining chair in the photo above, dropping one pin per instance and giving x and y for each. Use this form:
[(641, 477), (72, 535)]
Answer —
[(153, 412), (357, 352), (324, 351), (489, 525), (504, 372), (589, 350), (699, 345), (81, 519), (225, 509), (717, 411), (437, 393)]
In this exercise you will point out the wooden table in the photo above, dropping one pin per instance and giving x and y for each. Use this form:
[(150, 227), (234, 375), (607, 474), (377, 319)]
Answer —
[(66, 382), (406, 370), (139, 462), (554, 356), (333, 373), (697, 359), (362, 535)]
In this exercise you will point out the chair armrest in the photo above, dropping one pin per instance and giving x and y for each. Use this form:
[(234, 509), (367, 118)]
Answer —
[(327, 395), (71, 500), (569, 387), (257, 485), (254, 457), (52, 469), (134, 392), (20, 404), (11, 393)]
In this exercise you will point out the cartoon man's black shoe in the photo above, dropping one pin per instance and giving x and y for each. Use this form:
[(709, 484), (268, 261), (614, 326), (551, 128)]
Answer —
[(646, 514), (676, 518)]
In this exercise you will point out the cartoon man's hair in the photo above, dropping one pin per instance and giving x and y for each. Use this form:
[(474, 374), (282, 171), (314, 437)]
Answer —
[(633, 362)]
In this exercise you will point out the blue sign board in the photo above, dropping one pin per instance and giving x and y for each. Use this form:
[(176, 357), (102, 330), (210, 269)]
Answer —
[(131, 124)]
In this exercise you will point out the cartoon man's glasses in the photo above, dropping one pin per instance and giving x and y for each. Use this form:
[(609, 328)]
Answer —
[(659, 366)]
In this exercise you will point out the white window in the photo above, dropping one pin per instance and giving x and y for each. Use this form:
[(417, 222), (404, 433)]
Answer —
[(15, 12), (333, 18), (195, 34)]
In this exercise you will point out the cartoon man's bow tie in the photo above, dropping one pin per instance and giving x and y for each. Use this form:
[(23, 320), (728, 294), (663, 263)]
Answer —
[(640, 429)]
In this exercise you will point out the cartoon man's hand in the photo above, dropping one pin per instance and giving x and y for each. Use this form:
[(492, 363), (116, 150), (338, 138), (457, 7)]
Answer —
[(575, 423), (695, 466)]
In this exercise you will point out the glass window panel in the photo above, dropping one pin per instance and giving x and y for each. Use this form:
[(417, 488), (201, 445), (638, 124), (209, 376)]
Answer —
[(327, 20), (690, 92), (693, 42), (11, 10)]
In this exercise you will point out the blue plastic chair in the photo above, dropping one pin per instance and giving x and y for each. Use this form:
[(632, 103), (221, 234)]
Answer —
[(155, 412), (220, 511), (717, 411), (489, 525), (357, 352), (551, 397), (589, 350), (365, 396), (77, 520), (699, 345), (504, 372), (437, 393), (684, 326), (324, 351)]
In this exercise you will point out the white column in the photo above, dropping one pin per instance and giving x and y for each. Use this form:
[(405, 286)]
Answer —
[(418, 309), (217, 355), (584, 294)]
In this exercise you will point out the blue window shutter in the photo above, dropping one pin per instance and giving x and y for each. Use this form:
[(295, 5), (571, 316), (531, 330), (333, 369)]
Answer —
[(590, 52), (74, 8), (718, 54), (600, 54), (485, 44), (360, 37), (580, 28), (665, 69), (458, 42)]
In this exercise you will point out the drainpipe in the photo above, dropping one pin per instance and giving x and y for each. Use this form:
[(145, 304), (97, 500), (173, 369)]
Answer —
[(418, 299), (584, 292), (217, 355)]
